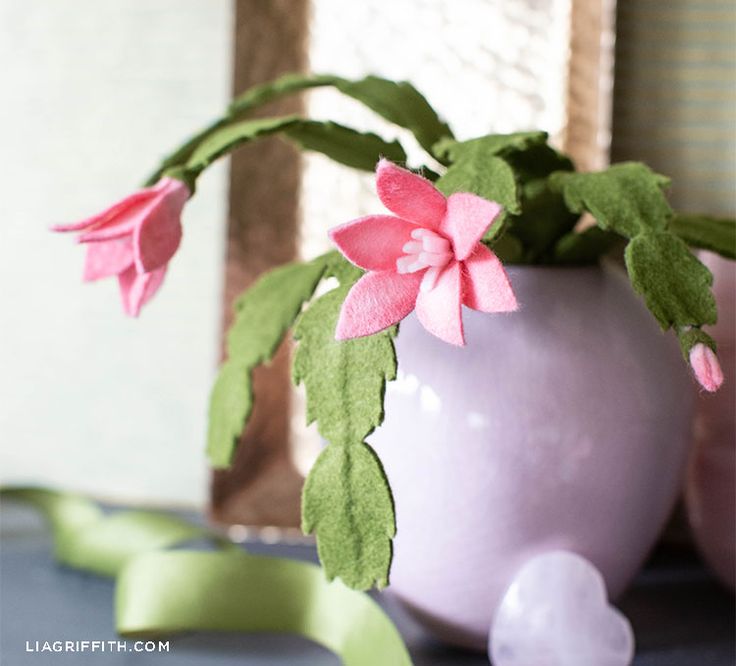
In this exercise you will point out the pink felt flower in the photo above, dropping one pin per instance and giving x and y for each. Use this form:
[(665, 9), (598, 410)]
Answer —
[(706, 367), (134, 239), (426, 257)]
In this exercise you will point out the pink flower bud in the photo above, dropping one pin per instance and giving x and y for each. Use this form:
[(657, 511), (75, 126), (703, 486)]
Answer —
[(706, 367), (134, 239)]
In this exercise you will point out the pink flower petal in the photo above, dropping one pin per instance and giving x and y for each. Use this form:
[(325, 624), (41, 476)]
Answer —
[(409, 196), (375, 302), (439, 309), (157, 237), (374, 242), (706, 367), (110, 214), (486, 286), (124, 223), (468, 217), (108, 258), (137, 289)]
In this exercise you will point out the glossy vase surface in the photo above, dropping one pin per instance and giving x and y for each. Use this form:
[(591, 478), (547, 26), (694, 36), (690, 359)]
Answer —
[(562, 426)]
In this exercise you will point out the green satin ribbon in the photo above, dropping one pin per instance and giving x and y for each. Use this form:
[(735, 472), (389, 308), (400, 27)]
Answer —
[(160, 592)]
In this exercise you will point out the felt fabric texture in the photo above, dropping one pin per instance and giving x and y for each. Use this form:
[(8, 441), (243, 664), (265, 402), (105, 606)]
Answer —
[(397, 102), (628, 200), (346, 499), (345, 145), (264, 313), (707, 233), (134, 239), (136, 289), (418, 259), (706, 367)]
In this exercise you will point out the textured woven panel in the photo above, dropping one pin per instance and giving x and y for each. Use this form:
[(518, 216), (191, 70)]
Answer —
[(675, 102)]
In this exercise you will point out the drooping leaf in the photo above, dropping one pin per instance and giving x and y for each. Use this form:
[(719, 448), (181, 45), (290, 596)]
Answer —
[(673, 282), (398, 102), (346, 500), (626, 198), (286, 84), (360, 150), (585, 247), (229, 137), (357, 149), (401, 103), (263, 315), (344, 381), (707, 233), (347, 503), (231, 402), (266, 310)]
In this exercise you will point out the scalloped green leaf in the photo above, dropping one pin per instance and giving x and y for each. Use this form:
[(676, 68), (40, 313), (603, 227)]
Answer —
[(674, 283), (627, 198), (347, 503), (344, 381), (231, 402), (264, 313), (707, 233), (347, 146)]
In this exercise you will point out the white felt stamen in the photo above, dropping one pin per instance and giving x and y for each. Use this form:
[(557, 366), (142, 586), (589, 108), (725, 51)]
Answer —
[(429, 251)]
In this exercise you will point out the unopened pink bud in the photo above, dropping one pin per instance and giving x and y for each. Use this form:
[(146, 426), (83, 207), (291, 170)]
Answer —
[(706, 367)]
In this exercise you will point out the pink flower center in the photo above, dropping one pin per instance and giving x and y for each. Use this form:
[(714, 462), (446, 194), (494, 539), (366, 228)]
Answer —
[(428, 250)]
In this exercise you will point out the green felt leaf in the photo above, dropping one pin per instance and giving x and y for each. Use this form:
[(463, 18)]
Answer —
[(543, 220), (507, 248), (231, 136), (674, 284), (487, 176), (690, 337), (360, 150), (231, 402), (286, 84), (400, 103), (534, 160), (585, 247), (707, 233), (347, 503), (266, 310), (345, 380), (492, 144), (264, 313), (626, 198), (342, 144)]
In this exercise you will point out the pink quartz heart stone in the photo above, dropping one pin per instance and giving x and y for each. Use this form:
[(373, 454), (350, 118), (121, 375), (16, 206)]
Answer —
[(555, 613), (564, 426)]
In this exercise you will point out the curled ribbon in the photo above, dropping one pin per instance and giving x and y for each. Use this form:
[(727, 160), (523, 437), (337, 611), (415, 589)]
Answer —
[(161, 592)]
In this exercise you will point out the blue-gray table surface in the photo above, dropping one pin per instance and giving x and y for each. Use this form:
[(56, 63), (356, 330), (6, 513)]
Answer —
[(680, 616)]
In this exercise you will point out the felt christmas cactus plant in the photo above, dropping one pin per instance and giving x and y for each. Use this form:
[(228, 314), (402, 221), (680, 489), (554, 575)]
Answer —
[(437, 242)]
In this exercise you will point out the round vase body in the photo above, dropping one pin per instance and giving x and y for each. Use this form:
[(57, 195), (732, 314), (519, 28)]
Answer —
[(564, 425)]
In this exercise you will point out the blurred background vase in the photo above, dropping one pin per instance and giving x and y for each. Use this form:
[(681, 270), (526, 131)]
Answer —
[(710, 493), (565, 425)]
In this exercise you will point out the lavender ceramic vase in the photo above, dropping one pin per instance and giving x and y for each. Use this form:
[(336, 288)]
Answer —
[(562, 426)]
